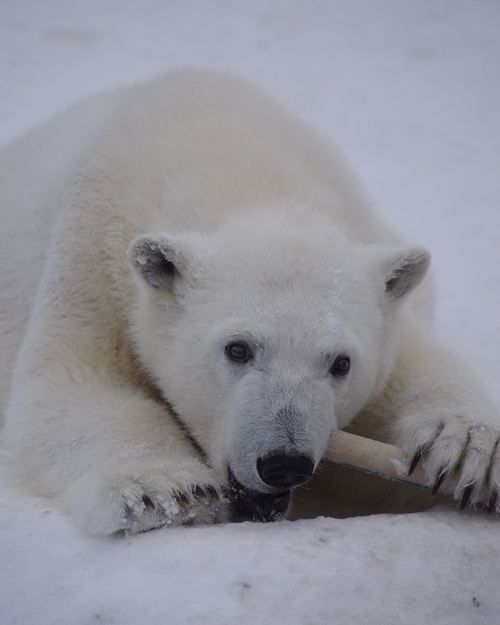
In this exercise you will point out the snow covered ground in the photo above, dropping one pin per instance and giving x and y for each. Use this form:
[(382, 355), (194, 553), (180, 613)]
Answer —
[(411, 93)]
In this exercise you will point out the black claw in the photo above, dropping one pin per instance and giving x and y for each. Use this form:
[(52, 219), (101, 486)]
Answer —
[(147, 502), (416, 459), (438, 482), (493, 501), (180, 497), (212, 492), (199, 493), (466, 497)]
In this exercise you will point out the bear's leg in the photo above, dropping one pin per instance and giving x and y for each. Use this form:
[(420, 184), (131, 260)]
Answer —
[(441, 416), (114, 458)]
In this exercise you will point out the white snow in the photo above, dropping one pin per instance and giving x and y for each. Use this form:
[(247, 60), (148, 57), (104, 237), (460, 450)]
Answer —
[(411, 93)]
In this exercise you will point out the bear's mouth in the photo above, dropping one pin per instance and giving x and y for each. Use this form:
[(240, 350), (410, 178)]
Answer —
[(246, 504)]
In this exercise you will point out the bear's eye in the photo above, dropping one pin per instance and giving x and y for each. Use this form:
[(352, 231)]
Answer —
[(341, 366), (238, 352)]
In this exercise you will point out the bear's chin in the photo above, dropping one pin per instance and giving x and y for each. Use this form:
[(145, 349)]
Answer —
[(251, 505)]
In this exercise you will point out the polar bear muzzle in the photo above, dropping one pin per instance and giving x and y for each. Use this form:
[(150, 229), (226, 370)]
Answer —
[(250, 505), (278, 471), (284, 471)]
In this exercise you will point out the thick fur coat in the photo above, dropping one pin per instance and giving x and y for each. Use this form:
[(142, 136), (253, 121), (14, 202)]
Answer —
[(195, 294)]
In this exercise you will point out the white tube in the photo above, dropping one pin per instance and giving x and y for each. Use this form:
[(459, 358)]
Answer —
[(385, 460)]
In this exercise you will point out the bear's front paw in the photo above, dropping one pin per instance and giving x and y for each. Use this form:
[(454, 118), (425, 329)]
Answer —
[(457, 446), (147, 502)]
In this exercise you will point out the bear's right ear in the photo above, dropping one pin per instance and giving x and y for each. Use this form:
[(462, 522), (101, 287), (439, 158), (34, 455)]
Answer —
[(156, 258)]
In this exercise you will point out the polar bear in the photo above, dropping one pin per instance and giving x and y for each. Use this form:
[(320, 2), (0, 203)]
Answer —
[(195, 295)]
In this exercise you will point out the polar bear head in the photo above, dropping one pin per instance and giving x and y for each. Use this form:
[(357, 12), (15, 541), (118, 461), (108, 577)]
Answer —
[(267, 334)]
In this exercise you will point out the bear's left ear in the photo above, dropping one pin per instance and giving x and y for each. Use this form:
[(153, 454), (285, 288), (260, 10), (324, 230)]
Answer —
[(405, 271), (156, 258)]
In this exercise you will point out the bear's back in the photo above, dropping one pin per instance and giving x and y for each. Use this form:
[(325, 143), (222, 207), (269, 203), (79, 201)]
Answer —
[(33, 174)]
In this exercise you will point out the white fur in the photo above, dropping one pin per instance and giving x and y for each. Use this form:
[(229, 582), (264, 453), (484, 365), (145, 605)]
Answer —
[(240, 225)]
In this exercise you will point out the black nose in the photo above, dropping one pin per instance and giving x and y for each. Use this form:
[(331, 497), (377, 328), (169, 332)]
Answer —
[(283, 472)]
